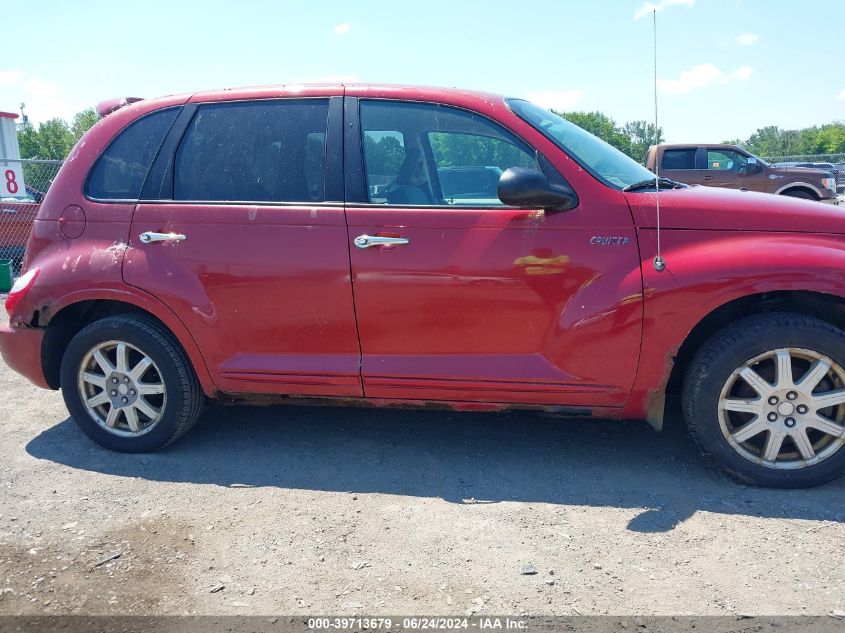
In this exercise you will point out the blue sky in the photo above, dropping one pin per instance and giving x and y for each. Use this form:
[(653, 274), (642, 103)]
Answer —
[(725, 67)]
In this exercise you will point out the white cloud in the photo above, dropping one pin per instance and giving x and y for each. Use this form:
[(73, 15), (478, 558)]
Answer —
[(743, 72), (10, 77), (561, 100), (747, 39), (658, 6), (341, 29), (841, 95), (36, 85), (702, 76), (40, 110), (44, 100)]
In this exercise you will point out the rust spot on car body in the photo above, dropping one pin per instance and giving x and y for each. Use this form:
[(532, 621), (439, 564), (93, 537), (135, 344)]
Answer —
[(655, 400), (379, 403)]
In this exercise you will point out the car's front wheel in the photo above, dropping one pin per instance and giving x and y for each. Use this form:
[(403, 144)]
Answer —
[(800, 193), (765, 400), (128, 384)]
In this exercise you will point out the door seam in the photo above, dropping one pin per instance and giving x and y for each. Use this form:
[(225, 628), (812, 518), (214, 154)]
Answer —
[(343, 157)]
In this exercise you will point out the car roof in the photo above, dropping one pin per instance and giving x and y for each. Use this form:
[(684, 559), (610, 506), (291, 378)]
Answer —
[(384, 91), (482, 101), (688, 145)]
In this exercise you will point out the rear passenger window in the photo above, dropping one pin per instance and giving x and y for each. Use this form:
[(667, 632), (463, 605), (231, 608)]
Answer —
[(260, 151), (678, 159), (120, 172)]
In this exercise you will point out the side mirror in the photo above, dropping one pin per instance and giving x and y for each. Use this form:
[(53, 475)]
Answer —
[(751, 167), (530, 189)]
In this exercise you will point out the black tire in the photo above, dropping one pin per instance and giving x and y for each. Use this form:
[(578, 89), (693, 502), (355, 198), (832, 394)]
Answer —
[(185, 398), (712, 367), (800, 193)]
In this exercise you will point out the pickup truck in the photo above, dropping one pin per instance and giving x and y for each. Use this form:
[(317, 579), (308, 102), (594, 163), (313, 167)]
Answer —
[(721, 165), (837, 169)]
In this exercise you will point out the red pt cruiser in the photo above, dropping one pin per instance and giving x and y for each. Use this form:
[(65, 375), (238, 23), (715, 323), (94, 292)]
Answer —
[(410, 246)]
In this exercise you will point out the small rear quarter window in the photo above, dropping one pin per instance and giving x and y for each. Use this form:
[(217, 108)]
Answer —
[(120, 171)]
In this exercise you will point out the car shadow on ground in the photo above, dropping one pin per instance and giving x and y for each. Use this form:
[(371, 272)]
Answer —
[(459, 457)]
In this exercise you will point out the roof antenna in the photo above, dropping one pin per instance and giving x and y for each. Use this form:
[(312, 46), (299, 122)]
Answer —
[(659, 262)]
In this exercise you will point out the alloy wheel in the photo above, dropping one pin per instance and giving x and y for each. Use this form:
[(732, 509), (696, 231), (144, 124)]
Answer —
[(122, 388), (785, 409)]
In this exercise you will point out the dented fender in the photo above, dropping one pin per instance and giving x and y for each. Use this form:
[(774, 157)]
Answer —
[(72, 272)]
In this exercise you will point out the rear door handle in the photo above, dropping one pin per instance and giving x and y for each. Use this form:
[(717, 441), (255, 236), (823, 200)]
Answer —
[(150, 236), (368, 241), (708, 178)]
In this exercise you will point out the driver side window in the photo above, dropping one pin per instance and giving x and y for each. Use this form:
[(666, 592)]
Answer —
[(725, 160), (432, 155)]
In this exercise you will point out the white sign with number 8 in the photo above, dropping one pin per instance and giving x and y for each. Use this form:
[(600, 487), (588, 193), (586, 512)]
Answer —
[(11, 173)]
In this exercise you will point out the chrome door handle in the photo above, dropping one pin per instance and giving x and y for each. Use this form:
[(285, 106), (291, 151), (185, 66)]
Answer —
[(150, 236), (366, 241)]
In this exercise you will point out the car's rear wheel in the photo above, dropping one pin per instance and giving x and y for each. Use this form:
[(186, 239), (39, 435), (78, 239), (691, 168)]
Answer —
[(128, 384), (765, 400)]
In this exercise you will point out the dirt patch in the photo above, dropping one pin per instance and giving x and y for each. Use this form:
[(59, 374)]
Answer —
[(136, 569)]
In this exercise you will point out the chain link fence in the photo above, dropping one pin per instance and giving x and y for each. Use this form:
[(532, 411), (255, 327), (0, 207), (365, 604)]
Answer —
[(22, 188), (833, 159)]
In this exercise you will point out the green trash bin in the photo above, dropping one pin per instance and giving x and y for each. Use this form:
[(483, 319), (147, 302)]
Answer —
[(6, 277)]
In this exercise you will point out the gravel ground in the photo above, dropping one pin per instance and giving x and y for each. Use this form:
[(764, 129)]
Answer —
[(324, 510)]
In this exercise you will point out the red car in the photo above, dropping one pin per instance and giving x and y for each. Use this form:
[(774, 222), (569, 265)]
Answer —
[(300, 241)]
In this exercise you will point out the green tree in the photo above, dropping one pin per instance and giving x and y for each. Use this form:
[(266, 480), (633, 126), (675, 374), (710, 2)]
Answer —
[(601, 125), (82, 122), (54, 139), (830, 139), (766, 141), (452, 149), (28, 140), (773, 141), (640, 136), (633, 138), (385, 156)]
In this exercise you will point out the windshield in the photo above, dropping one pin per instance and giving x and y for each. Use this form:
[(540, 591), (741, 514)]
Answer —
[(603, 161)]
